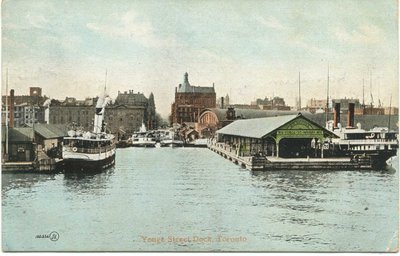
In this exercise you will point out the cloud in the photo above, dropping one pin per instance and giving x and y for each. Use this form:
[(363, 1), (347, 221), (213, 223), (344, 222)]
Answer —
[(130, 27), (365, 34), (271, 22), (36, 21)]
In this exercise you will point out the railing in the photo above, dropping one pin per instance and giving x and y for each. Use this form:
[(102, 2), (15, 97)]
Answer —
[(369, 141), (89, 150)]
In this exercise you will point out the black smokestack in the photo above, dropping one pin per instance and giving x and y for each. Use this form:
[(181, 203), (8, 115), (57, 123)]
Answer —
[(336, 115), (350, 116), (222, 102)]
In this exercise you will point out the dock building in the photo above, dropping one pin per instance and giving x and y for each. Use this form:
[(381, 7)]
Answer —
[(281, 136), (212, 119), (277, 143), (190, 101)]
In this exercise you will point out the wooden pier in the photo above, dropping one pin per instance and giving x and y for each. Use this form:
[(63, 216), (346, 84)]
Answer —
[(43, 164), (263, 163), (17, 166)]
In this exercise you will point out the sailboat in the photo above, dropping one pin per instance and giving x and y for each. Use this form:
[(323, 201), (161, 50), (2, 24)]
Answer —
[(90, 150)]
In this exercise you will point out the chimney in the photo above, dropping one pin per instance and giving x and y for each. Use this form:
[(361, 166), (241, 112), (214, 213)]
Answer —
[(222, 102), (336, 115), (11, 111), (350, 116)]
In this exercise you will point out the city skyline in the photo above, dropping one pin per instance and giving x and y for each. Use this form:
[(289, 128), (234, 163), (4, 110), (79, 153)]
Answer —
[(248, 49)]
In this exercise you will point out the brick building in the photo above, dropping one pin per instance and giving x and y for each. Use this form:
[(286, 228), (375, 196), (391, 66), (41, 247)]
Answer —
[(23, 109), (122, 118), (190, 101)]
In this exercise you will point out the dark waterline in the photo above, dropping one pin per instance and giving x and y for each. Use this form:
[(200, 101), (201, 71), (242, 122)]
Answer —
[(191, 199)]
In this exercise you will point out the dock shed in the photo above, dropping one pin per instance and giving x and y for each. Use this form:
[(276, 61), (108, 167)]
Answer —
[(282, 136), (49, 138), (20, 144)]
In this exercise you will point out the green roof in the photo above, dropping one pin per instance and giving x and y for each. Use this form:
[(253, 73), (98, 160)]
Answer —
[(256, 127), (18, 134), (49, 131), (261, 127)]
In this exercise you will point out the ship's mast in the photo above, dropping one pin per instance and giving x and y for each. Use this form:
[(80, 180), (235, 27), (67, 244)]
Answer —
[(363, 102), (105, 84), (370, 88), (390, 111), (299, 94), (327, 99), (7, 113)]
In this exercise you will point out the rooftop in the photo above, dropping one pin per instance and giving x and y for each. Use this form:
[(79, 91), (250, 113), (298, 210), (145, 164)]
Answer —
[(261, 127), (49, 131), (185, 87)]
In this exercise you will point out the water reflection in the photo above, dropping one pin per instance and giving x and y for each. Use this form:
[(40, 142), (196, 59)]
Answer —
[(190, 191), (87, 182), (23, 180)]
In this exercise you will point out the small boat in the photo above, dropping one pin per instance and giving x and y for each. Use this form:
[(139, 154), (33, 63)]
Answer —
[(143, 138), (171, 139), (90, 150)]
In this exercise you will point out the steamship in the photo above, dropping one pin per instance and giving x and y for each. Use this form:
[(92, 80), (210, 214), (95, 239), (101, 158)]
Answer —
[(143, 138), (90, 150), (374, 147)]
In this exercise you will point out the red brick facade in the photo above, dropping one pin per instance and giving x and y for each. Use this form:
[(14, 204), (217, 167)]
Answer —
[(190, 101)]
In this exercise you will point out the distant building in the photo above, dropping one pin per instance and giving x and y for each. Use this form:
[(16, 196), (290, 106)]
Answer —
[(313, 105), (190, 101), (122, 118), (373, 111), (391, 111), (319, 105), (34, 98), (245, 106), (23, 109), (223, 102), (275, 103)]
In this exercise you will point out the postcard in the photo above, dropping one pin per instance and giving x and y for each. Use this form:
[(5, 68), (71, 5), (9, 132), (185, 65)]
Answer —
[(200, 126)]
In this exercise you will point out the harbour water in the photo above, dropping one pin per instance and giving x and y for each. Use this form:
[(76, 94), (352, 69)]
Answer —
[(191, 199)]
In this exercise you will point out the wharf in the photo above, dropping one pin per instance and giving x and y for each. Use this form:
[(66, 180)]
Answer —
[(17, 167), (43, 164), (263, 163)]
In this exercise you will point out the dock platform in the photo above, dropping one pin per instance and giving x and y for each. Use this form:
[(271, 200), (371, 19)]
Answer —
[(43, 164), (266, 163), (17, 167)]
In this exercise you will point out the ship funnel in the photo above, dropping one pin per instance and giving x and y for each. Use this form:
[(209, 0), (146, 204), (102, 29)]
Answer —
[(336, 115), (102, 102), (350, 116)]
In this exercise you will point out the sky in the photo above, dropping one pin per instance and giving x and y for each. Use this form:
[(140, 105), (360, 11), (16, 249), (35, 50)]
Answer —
[(248, 49)]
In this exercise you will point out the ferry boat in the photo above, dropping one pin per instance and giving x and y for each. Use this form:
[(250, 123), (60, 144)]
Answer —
[(90, 150), (376, 145), (170, 139), (143, 138)]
